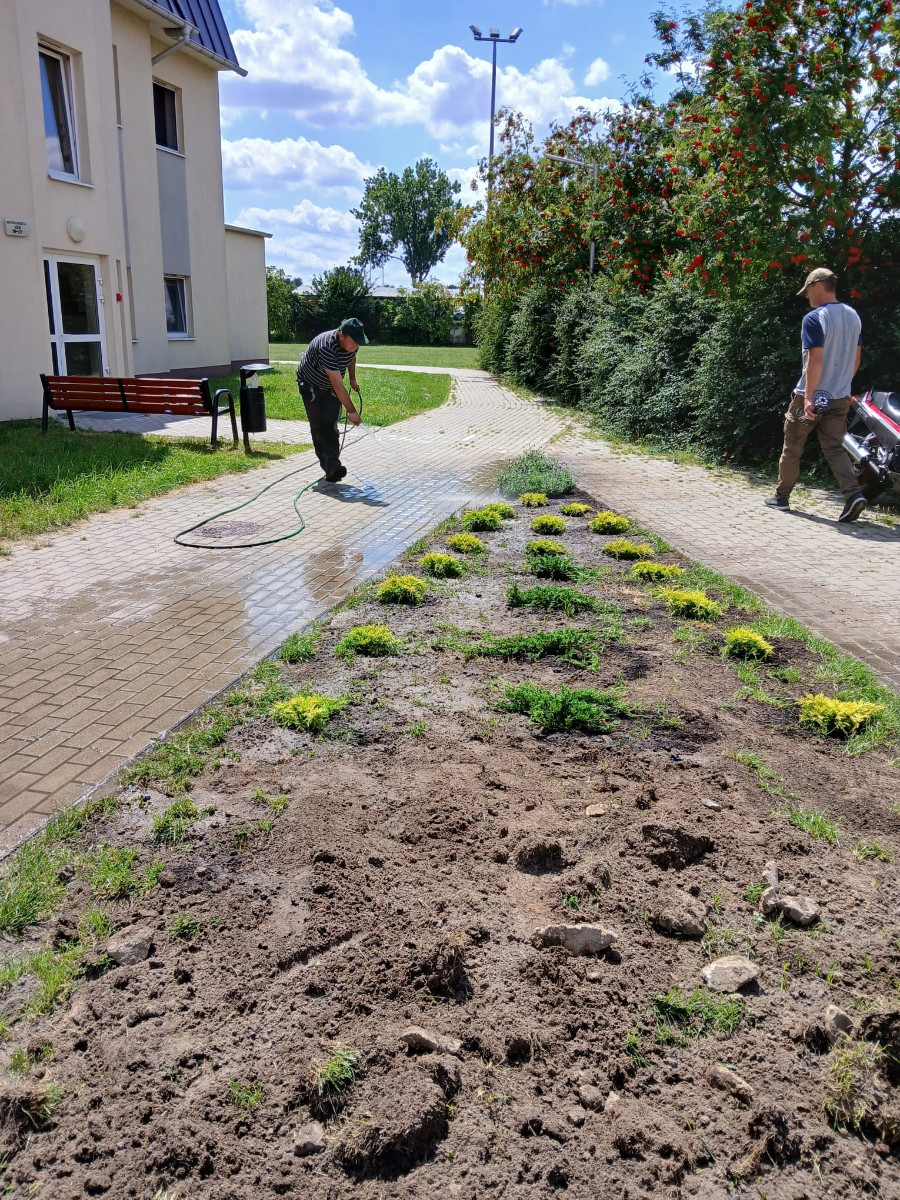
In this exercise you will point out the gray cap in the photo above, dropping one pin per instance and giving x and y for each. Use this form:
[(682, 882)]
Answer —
[(819, 275)]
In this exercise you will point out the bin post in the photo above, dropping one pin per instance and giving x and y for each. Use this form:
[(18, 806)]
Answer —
[(252, 401)]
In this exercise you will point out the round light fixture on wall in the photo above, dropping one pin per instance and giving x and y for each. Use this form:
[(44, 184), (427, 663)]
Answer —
[(75, 229)]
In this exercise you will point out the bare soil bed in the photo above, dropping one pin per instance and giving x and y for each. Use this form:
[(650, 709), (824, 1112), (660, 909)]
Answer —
[(372, 896)]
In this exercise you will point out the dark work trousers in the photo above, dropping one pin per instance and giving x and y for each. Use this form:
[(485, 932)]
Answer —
[(323, 410)]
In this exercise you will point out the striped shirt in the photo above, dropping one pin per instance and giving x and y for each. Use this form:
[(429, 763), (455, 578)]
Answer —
[(323, 354)]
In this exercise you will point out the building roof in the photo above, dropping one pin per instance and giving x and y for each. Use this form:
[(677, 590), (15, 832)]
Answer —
[(210, 33), (244, 229)]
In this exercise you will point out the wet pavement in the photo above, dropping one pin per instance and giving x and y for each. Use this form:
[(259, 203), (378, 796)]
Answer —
[(111, 634)]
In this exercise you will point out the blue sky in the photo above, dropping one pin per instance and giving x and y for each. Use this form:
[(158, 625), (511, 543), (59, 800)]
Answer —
[(336, 90)]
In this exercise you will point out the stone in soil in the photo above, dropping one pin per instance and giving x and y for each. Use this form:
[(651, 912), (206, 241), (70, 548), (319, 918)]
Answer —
[(680, 913), (577, 939), (309, 1138), (130, 946), (801, 910), (730, 974), (417, 1039), (729, 1081)]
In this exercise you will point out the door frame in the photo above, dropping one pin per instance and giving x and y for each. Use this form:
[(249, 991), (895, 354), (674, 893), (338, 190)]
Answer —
[(59, 339)]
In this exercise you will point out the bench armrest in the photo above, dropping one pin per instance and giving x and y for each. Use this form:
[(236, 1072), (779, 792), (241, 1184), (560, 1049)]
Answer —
[(222, 392)]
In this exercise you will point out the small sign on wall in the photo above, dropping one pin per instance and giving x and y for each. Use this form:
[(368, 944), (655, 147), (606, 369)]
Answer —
[(15, 228)]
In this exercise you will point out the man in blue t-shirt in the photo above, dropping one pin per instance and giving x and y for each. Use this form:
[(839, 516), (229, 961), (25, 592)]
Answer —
[(832, 345), (320, 378)]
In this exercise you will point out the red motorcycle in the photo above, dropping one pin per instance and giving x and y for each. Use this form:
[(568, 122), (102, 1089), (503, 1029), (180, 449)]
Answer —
[(873, 441)]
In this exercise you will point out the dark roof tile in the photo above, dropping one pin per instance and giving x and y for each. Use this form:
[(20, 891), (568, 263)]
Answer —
[(207, 17)]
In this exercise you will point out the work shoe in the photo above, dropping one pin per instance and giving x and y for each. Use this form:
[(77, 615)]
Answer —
[(854, 506), (777, 502), (336, 475)]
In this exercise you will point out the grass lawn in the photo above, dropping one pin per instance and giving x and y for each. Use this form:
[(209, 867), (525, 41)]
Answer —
[(397, 356), (49, 482), (388, 396)]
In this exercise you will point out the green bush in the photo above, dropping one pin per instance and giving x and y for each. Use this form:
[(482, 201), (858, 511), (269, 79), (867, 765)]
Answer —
[(696, 605), (535, 472), (746, 643), (822, 714), (553, 598), (481, 520), (565, 708), (466, 543), (374, 641), (402, 589), (442, 566), (622, 548), (576, 509), (552, 566), (546, 546), (307, 711), (548, 524), (504, 511), (609, 522), (652, 571), (533, 499)]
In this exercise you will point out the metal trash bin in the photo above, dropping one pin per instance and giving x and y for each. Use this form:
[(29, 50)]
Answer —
[(252, 399)]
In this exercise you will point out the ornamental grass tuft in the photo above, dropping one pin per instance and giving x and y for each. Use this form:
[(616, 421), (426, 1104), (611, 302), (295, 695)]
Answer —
[(533, 499), (307, 711), (546, 546), (548, 524), (552, 598), (575, 509), (402, 589), (565, 708), (505, 511), (481, 519), (822, 714), (696, 605), (552, 566), (534, 472), (609, 522), (441, 566), (747, 643), (374, 641), (466, 543), (652, 571), (622, 548)]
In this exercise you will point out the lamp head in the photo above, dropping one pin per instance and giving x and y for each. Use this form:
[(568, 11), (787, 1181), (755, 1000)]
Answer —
[(495, 33), (475, 30), (515, 33)]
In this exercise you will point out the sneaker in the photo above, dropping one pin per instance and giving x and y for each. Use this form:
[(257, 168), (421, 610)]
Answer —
[(777, 502), (854, 506), (337, 474)]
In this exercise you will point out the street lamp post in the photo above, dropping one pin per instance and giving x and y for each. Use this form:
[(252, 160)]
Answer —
[(494, 38), (580, 162)]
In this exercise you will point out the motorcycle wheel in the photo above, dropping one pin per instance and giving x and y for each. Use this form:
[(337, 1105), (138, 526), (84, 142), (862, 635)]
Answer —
[(870, 484)]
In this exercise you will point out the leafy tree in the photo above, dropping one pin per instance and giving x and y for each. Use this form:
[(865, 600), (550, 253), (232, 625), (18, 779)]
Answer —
[(413, 213), (422, 315), (281, 304), (336, 294)]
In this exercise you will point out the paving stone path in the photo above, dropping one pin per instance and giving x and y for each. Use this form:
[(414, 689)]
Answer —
[(111, 634)]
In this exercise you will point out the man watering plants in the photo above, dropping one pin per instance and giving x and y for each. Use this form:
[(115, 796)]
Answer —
[(320, 378)]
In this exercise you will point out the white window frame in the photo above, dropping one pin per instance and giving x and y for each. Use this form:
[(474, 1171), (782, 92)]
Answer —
[(65, 61), (188, 333), (58, 338)]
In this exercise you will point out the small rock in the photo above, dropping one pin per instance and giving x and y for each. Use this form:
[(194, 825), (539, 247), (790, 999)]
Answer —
[(768, 901), (421, 1040), (130, 946), (836, 1022), (309, 1138), (595, 810), (590, 1096), (715, 807), (576, 1116), (730, 974), (577, 939), (771, 874), (799, 909), (730, 1081), (681, 914)]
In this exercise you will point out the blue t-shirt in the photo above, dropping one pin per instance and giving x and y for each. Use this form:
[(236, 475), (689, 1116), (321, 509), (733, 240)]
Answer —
[(837, 329)]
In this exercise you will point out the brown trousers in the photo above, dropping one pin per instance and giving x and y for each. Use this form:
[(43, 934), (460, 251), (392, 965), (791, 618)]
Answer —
[(830, 429)]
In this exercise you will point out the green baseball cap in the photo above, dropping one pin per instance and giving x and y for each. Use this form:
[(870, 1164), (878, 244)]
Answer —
[(353, 328)]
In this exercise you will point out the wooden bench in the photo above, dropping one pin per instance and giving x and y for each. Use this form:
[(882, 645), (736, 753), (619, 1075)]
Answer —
[(177, 397)]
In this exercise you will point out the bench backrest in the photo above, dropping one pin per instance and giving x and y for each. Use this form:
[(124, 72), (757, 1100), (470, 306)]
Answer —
[(102, 394)]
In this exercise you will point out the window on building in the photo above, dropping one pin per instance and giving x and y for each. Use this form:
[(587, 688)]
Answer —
[(59, 114), (177, 306), (166, 117)]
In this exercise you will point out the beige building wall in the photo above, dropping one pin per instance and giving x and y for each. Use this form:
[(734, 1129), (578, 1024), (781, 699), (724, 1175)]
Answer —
[(112, 216), (248, 325)]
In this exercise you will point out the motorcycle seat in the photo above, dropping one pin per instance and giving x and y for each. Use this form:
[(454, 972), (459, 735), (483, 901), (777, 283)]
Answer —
[(888, 403)]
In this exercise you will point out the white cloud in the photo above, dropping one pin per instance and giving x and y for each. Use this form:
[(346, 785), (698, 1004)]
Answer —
[(307, 238), (296, 63), (292, 163), (597, 72)]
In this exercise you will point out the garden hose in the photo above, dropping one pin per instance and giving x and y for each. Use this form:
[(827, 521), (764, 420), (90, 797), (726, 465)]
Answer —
[(179, 537)]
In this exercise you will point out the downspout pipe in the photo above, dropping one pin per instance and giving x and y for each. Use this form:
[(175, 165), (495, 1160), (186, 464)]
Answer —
[(183, 38)]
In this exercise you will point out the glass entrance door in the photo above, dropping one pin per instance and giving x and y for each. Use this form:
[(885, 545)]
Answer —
[(74, 312)]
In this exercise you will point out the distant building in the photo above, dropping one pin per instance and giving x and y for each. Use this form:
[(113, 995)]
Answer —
[(114, 255)]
